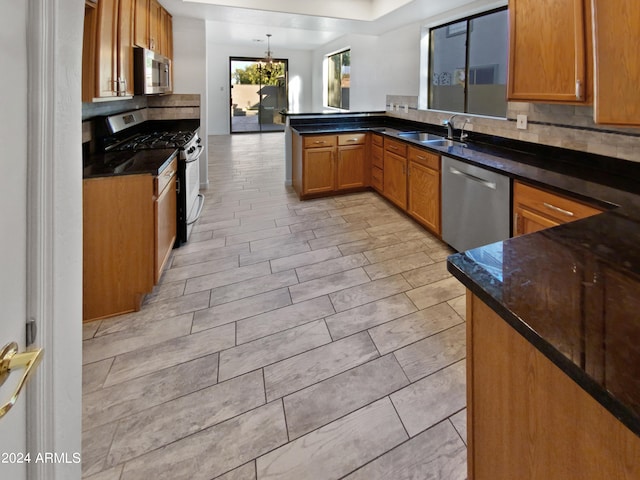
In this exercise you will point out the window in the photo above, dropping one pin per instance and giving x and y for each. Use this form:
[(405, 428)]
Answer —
[(338, 79), (468, 65)]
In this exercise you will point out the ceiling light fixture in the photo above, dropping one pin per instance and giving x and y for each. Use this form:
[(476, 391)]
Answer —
[(268, 60)]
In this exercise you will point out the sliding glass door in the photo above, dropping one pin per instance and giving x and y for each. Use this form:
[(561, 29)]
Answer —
[(258, 94)]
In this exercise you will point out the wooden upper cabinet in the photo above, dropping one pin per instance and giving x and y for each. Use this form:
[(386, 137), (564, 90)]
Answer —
[(155, 14), (114, 49), (166, 34), (141, 23), (107, 49), (616, 28), (125, 46), (549, 51)]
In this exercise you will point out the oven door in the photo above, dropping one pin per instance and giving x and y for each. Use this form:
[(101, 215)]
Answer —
[(190, 200)]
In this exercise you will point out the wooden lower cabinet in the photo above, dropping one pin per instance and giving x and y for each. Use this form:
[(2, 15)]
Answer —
[(165, 215), (377, 162), (118, 239), (526, 419), (536, 209), (424, 188), (395, 179), (324, 164), (318, 167), (350, 167), (129, 228)]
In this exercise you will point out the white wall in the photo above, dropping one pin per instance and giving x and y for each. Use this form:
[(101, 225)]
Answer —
[(380, 65), (190, 73), (219, 108)]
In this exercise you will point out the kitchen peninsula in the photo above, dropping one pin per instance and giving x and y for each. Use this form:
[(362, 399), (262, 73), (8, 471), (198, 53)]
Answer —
[(553, 330)]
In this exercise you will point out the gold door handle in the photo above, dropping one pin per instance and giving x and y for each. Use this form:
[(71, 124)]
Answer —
[(10, 360)]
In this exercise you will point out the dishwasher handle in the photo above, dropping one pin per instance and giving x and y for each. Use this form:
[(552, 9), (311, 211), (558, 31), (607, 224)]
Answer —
[(481, 181)]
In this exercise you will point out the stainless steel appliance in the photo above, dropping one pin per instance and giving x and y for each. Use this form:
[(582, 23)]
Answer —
[(475, 205), (152, 72), (130, 131)]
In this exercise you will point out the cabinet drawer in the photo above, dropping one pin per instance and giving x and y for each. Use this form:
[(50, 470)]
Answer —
[(317, 141), (376, 139), (163, 179), (551, 204), (395, 146), (427, 159), (377, 178), (352, 139), (376, 156)]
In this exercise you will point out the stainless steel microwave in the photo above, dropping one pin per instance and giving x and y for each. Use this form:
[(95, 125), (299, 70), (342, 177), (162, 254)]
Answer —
[(152, 72)]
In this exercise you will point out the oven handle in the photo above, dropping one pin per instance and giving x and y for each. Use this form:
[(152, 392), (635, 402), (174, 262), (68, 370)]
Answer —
[(191, 160), (201, 198)]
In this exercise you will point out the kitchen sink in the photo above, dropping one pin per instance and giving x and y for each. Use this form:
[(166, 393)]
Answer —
[(420, 136), (443, 142)]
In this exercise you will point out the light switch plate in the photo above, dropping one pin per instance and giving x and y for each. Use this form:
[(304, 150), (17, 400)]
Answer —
[(406, 108), (521, 122)]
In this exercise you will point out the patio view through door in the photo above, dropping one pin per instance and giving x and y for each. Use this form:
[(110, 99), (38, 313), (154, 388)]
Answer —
[(258, 94)]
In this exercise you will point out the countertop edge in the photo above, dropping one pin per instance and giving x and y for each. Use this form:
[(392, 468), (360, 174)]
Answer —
[(578, 375)]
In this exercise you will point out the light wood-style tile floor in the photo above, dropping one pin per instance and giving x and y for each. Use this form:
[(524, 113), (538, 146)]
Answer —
[(296, 340)]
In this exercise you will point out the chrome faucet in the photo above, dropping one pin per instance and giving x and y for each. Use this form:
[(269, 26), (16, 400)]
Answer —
[(450, 126)]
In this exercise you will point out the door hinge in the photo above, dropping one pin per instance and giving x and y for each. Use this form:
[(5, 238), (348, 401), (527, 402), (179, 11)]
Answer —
[(32, 331)]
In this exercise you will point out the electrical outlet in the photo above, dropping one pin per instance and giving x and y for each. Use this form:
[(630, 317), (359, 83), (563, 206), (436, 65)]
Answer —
[(521, 122), (391, 106), (406, 108)]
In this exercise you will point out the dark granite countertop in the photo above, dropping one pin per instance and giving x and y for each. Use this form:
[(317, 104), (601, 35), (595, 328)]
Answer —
[(573, 291), (151, 162)]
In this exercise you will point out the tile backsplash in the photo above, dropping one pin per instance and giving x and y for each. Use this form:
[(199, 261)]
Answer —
[(565, 126), (161, 107)]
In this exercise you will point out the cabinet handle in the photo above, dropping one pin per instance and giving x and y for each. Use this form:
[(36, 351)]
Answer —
[(404, 170), (320, 142), (519, 229), (558, 209), (578, 89), (352, 140), (393, 147), (420, 157)]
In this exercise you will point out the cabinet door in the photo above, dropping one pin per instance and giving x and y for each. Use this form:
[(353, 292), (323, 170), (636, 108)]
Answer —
[(318, 169), (528, 419), (621, 376), (107, 49), (118, 242), (165, 211), (167, 43), (395, 179), (528, 221), (424, 196), (547, 51), (141, 24), (154, 25), (125, 47), (616, 27), (350, 168)]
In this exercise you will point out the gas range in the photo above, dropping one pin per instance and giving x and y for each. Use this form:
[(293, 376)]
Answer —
[(133, 132)]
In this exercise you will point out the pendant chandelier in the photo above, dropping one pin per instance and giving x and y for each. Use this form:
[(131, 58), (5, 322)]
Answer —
[(268, 60)]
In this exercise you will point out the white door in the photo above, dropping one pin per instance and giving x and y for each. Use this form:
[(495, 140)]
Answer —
[(41, 231), (13, 221)]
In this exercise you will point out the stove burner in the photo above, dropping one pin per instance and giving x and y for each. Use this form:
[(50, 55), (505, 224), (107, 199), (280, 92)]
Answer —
[(156, 140)]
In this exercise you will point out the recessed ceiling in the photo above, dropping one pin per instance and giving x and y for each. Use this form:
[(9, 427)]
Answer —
[(307, 24)]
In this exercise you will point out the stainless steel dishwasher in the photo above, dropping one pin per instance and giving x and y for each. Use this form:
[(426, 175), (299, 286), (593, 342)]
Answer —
[(475, 205)]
